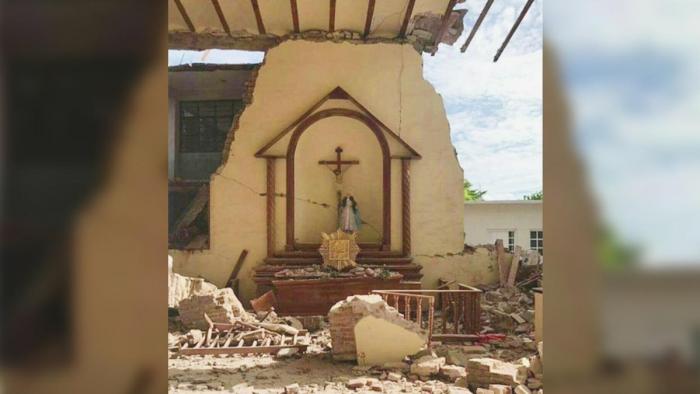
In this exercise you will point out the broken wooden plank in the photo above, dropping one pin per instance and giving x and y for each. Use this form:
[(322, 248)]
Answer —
[(237, 267), (242, 349), (514, 266), (513, 29), (502, 265), (477, 24), (195, 207)]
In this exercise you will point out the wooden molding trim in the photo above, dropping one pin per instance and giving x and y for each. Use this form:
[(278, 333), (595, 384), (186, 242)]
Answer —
[(386, 169)]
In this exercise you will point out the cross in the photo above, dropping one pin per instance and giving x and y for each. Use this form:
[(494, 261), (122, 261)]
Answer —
[(338, 162)]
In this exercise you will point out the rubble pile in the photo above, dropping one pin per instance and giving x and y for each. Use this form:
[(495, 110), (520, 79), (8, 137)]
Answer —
[(318, 272), (505, 359), (221, 305)]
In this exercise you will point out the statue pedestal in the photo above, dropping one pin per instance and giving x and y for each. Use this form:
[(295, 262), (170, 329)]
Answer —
[(317, 296)]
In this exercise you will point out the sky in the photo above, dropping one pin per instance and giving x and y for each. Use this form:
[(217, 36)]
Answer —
[(494, 109), (632, 74)]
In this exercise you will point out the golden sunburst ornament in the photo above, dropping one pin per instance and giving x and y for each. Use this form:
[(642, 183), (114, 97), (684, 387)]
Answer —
[(339, 250)]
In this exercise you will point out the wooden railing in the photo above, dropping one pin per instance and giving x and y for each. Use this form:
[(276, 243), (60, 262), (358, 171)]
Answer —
[(412, 304), (459, 311)]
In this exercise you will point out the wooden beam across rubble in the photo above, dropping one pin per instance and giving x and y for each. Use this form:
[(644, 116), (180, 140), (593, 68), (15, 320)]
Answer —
[(231, 336), (186, 17), (513, 29), (480, 19), (443, 26)]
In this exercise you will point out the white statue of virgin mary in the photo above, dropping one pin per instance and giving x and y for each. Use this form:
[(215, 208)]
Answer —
[(349, 215)]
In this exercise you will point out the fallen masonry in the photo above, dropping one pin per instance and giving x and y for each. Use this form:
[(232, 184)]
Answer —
[(487, 371), (367, 329), (390, 349), (220, 305)]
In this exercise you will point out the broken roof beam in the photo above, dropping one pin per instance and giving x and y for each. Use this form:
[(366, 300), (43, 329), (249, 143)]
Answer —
[(220, 13), (258, 16), (513, 29), (295, 15), (186, 17), (443, 25), (477, 24), (370, 15), (331, 16), (406, 18)]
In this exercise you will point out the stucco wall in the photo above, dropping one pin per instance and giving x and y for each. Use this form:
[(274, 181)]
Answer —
[(482, 219), (387, 79)]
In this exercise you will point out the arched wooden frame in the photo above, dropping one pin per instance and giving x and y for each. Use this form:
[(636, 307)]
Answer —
[(386, 169)]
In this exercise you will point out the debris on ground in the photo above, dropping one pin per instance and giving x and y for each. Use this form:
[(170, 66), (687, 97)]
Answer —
[(317, 272), (367, 329), (221, 305), (299, 354)]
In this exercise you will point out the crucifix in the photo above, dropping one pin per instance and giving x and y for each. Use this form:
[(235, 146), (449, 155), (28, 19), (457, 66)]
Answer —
[(338, 170)]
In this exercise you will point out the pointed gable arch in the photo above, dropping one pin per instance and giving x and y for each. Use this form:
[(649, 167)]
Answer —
[(338, 103)]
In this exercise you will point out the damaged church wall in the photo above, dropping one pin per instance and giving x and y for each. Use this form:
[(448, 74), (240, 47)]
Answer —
[(387, 79)]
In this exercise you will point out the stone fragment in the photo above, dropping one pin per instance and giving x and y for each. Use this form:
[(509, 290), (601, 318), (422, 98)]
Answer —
[(461, 382), (427, 365), (534, 384), (522, 389), (458, 390), (292, 388), (485, 371), (194, 336), (376, 386), (356, 383), (519, 319), (484, 391), (181, 287), (535, 365), (453, 372), (500, 389), (287, 352), (394, 376), (221, 306)]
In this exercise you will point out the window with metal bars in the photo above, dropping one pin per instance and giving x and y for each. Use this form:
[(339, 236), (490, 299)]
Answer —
[(204, 125)]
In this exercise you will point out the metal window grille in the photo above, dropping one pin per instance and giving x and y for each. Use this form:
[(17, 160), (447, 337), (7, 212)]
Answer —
[(204, 125)]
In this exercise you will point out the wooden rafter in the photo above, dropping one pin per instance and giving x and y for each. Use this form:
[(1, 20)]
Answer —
[(477, 24), (258, 16), (331, 16), (370, 15), (295, 15), (407, 17), (220, 13), (186, 17), (443, 25), (513, 29)]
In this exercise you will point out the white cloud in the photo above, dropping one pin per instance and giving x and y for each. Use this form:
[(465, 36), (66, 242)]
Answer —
[(495, 109)]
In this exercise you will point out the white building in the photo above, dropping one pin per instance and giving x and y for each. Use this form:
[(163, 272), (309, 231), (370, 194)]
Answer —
[(516, 222)]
